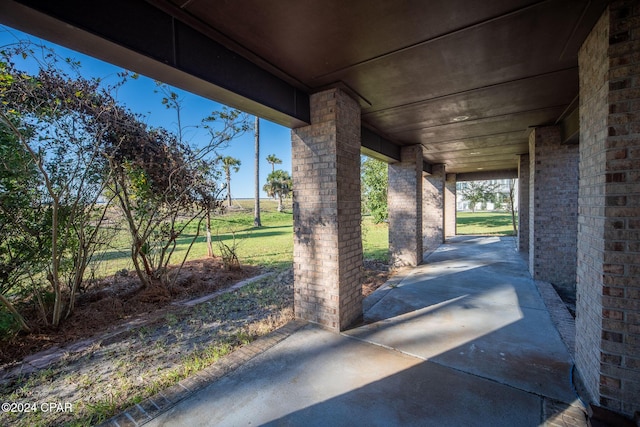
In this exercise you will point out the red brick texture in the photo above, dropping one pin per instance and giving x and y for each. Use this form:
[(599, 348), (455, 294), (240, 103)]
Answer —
[(327, 251), (608, 274)]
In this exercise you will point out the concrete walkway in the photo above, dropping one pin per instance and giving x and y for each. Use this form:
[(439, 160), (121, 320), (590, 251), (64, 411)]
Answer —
[(463, 340)]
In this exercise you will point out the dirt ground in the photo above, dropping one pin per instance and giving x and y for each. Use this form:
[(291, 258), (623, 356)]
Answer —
[(124, 343), (119, 298)]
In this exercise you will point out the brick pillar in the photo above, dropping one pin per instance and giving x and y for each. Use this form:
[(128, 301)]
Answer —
[(450, 205), (404, 202), (553, 209), (608, 306), (523, 203), (433, 209), (327, 246)]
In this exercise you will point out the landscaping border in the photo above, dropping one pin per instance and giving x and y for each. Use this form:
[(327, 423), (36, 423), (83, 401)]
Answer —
[(153, 406)]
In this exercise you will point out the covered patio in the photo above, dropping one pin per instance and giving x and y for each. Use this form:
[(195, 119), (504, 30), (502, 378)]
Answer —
[(464, 339), (443, 91)]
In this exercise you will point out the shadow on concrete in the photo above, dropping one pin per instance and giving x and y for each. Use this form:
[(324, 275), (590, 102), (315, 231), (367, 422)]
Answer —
[(480, 314), (477, 352)]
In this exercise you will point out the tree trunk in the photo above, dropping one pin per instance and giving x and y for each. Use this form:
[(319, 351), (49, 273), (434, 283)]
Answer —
[(256, 210), (54, 277), (229, 188), (209, 245), (279, 203), (17, 316)]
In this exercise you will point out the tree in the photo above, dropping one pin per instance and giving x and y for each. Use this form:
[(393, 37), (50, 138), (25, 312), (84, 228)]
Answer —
[(223, 126), (20, 252), (477, 192), (159, 184), (69, 150), (52, 116), (228, 164), (273, 161), (279, 185), (374, 188), (163, 186), (256, 207), (172, 101)]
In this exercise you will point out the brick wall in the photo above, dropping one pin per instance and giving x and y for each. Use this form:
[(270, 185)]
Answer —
[(404, 202), (326, 212), (523, 203), (553, 209), (593, 127), (608, 306), (450, 205), (433, 209)]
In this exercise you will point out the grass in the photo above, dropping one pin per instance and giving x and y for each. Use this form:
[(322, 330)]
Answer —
[(114, 374), (270, 245), (496, 223), (375, 240)]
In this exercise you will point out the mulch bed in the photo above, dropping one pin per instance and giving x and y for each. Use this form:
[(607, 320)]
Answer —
[(119, 298)]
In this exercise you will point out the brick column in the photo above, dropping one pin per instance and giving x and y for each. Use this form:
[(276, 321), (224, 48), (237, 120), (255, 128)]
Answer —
[(523, 203), (327, 250), (450, 205), (553, 209), (608, 306), (404, 202), (433, 209)]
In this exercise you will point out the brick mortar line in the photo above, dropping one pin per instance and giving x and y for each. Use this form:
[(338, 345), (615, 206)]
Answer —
[(196, 382)]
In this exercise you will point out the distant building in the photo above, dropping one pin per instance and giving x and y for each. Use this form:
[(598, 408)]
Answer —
[(501, 196)]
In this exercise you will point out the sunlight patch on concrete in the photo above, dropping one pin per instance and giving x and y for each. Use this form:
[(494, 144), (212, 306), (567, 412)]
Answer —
[(441, 327)]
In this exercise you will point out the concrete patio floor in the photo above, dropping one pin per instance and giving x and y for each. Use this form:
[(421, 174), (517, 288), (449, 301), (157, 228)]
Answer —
[(462, 340)]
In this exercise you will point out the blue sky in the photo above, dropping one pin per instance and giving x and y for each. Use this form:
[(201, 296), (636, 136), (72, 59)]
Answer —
[(138, 95)]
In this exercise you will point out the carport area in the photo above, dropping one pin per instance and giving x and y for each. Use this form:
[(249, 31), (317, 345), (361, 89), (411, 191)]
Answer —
[(465, 339)]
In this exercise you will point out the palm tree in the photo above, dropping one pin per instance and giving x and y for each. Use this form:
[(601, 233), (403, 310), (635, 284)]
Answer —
[(273, 161), (256, 203), (229, 163), (279, 185)]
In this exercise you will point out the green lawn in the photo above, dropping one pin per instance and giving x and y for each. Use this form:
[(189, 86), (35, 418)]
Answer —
[(270, 245), (375, 240), (498, 223)]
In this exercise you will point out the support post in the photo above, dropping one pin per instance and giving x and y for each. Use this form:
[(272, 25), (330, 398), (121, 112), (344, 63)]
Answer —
[(553, 209), (450, 205), (608, 306), (326, 213), (405, 208), (523, 203), (433, 209)]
